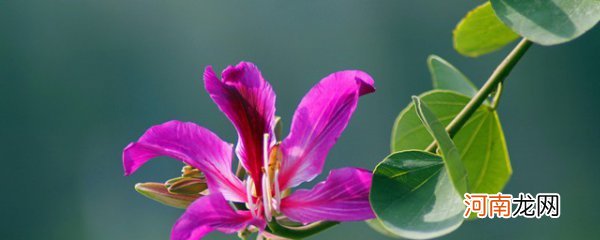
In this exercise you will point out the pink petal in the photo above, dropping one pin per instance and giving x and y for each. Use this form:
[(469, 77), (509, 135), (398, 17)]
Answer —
[(193, 145), (319, 120), (249, 102), (208, 214), (343, 196)]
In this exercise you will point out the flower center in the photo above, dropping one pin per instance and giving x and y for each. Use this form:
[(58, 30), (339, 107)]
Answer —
[(271, 164), (271, 193)]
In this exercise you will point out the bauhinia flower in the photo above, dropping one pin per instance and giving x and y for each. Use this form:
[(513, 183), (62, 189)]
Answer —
[(273, 166)]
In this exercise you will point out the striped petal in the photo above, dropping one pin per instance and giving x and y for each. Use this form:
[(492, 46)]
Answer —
[(343, 196), (193, 145), (249, 102), (211, 213), (318, 122)]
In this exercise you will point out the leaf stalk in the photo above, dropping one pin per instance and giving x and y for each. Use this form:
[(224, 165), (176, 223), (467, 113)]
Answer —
[(499, 74), (497, 95)]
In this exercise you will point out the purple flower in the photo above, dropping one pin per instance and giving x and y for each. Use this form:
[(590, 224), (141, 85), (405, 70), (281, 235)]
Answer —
[(273, 167)]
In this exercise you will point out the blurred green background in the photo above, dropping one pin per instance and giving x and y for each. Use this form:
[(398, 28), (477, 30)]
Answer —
[(81, 79)]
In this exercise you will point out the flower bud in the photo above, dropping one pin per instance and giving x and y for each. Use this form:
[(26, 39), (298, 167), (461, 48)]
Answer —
[(159, 192), (189, 171), (186, 185)]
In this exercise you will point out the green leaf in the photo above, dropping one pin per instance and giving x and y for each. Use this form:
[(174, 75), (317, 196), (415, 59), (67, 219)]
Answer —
[(376, 225), (450, 154), (480, 141), (481, 32), (548, 22), (445, 76), (413, 196)]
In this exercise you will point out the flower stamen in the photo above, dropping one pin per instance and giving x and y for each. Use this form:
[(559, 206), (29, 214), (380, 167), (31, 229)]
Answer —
[(266, 183), (250, 202)]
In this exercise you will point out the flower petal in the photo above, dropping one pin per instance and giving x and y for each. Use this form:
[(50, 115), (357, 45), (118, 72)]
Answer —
[(208, 214), (319, 120), (193, 145), (249, 102), (343, 196)]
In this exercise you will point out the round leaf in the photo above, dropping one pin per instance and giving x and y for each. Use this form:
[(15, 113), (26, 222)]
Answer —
[(481, 32), (376, 225), (445, 76), (548, 22), (480, 141), (413, 196)]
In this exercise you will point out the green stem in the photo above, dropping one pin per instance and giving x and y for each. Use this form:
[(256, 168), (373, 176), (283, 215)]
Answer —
[(298, 232), (497, 76)]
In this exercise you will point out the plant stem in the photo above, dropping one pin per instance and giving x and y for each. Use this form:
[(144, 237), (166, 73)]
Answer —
[(499, 74), (298, 232)]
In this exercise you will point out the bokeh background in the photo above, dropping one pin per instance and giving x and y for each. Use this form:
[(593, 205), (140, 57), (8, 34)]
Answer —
[(81, 79)]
